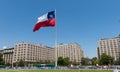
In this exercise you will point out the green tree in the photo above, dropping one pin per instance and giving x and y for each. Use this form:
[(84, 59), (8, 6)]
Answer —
[(63, 61), (66, 61), (44, 62), (40, 62), (21, 63), (7, 64), (85, 61), (94, 61), (106, 59), (60, 61), (75, 63), (117, 62), (2, 62)]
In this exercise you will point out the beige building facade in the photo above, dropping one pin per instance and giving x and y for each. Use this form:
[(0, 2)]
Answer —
[(32, 53), (1, 51), (73, 51), (8, 55), (109, 46)]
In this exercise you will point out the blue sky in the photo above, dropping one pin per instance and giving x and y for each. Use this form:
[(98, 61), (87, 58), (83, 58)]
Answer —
[(81, 21)]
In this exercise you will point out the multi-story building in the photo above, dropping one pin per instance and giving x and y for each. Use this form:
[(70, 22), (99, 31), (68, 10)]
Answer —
[(32, 53), (73, 51), (109, 46), (50, 54), (1, 51), (8, 55)]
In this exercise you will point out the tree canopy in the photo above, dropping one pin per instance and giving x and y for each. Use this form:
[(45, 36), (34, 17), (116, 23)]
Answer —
[(106, 59), (63, 61), (2, 62)]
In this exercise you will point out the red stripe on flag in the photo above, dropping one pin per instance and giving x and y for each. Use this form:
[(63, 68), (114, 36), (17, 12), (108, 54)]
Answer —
[(46, 23)]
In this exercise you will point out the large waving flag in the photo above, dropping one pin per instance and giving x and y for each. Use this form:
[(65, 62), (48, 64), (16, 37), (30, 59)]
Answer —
[(45, 20)]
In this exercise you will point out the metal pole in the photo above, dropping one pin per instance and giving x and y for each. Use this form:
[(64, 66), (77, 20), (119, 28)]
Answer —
[(55, 42)]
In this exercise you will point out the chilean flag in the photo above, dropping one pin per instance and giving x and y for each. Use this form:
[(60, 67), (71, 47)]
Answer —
[(45, 20)]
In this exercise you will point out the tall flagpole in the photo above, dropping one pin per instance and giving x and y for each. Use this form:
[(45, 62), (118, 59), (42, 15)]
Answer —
[(55, 29)]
